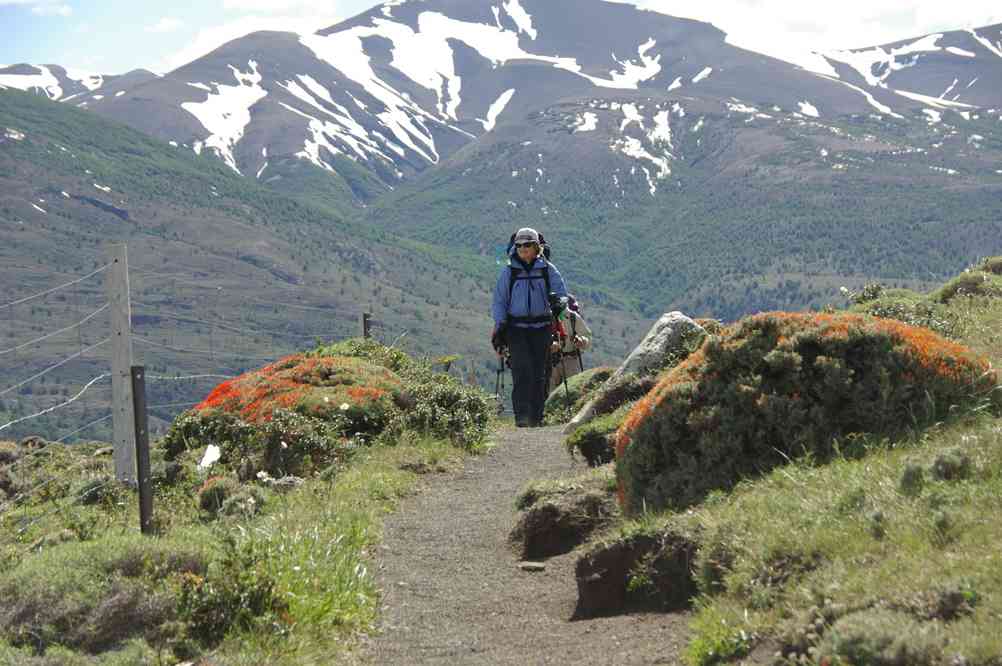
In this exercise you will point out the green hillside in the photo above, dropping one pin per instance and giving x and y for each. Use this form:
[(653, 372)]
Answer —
[(273, 270)]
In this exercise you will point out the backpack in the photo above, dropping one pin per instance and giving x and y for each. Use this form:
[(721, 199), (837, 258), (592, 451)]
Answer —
[(513, 277)]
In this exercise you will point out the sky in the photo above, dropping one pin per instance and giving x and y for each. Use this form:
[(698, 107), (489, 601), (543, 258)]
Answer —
[(115, 36)]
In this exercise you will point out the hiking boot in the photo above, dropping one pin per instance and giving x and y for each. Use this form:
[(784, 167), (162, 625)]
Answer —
[(522, 423)]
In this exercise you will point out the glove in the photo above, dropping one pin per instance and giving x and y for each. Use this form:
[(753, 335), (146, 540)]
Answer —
[(499, 339)]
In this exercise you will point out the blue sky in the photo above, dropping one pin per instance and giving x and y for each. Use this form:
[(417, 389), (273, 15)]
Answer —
[(114, 36)]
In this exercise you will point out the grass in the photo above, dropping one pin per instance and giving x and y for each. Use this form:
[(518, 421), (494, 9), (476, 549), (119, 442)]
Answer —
[(816, 560), (305, 561)]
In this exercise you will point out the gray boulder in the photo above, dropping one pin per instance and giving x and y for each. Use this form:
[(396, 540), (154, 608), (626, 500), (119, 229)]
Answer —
[(667, 337)]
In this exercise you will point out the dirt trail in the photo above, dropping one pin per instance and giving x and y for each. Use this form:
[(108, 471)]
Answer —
[(453, 593)]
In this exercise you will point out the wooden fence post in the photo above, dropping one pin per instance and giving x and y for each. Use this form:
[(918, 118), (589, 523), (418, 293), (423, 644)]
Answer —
[(138, 375), (123, 415)]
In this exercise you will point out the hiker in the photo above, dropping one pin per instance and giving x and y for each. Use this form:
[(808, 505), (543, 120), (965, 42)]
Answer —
[(573, 337), (522, 322)]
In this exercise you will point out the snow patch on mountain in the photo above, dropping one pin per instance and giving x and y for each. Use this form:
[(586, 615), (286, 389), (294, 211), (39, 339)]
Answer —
[(226, 114), (343, 51), (496, 108), (13, 134), (809, 109), (960, 52), (88, 80), (933, 101), (984, 41), (662, 128), (933, 115), (676, 84), (45, 80), (631, 115), (521, 17), (586, 123), (632, 147), (702, 75), (738, 107)]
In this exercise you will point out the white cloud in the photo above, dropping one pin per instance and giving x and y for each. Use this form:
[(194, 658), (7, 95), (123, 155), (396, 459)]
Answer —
[(166, 24), (279, 6), (211, 38), (42, 7), (788, 29)]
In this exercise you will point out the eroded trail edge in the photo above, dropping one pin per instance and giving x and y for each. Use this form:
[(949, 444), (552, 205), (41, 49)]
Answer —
[(453, 591)]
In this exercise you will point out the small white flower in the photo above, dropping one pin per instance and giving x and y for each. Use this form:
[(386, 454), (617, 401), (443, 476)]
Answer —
[(284, 445), (326, 399), (345, 406)]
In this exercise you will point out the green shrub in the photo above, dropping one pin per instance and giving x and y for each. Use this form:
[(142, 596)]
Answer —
[(912, 479), (92, 596), (245, 503), (563, 403), (992, 265), (595, 440), (970, 283), (432, 402), (952, 464), (94, 490), (215, 491), (881, 637), (782, 385), (198, 429), (915, 311), (237, 591)]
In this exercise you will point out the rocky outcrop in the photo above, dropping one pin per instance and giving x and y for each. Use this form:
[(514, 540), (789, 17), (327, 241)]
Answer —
[(665, 341)]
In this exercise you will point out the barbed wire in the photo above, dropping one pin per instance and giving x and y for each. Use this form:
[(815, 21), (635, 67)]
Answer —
[(55, 407), (208, 352), (175, 404), (53, 367), (60, 507), (224, 324), (55, 289), (62, 330), (79, 430), (185, 377)]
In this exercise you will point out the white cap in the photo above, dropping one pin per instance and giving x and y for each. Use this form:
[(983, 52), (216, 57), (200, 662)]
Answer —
[(527, 235)]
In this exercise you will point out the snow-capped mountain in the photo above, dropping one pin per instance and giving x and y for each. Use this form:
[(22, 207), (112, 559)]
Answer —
[(406, 85)]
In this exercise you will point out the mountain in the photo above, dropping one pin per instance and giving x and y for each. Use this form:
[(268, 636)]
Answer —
[(402, 87), (669, 168)]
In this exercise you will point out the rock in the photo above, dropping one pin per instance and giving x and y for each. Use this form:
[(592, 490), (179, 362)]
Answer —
[(33, 442), (668, 336), (532, 567), (286, 483), (104, 451)]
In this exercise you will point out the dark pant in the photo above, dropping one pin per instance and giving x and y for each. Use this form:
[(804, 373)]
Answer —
[(530, 351)]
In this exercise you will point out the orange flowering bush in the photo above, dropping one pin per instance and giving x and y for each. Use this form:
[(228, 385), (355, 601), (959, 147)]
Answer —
[(322, 387), (780, 385), (295, 416)]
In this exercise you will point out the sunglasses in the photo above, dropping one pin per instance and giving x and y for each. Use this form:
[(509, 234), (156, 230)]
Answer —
[(519, 246)]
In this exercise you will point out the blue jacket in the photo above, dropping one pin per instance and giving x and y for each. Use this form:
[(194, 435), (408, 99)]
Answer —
[(528, 295)]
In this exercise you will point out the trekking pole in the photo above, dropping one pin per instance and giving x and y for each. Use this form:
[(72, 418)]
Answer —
[(574, 334)]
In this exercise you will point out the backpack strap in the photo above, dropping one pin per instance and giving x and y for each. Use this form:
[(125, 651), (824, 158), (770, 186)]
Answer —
[(513, 278)]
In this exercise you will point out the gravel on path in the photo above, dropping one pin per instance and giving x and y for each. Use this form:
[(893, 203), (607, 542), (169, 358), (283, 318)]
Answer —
[(453, 591)]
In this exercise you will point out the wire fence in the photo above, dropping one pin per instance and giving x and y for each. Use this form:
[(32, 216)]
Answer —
[(189, 335)]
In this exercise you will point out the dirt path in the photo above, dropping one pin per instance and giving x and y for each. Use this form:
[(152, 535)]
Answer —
[(453, 593)]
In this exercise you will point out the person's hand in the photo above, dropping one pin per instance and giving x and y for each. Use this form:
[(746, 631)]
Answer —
[(579, 342), (554, 347)]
